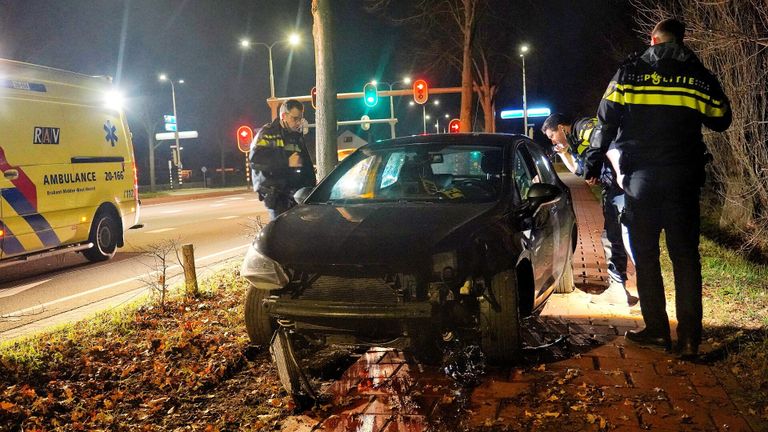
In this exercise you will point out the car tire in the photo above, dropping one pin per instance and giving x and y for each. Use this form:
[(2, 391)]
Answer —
[(566, 285), (500, 323), (104, 236), (258, 323)]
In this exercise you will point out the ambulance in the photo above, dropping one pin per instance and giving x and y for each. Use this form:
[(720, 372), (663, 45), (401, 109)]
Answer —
[(67, 172)]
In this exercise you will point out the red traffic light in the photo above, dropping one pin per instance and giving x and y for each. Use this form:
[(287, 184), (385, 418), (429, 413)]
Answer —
[(454, 126), (244, 138), (420, 92), (313, 92)]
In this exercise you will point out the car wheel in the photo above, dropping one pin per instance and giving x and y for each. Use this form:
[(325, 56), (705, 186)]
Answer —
[(104, 236), (500, 322), (566, 285), (259, 324)]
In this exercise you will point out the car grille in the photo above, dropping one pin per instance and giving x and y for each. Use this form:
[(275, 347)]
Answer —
[(353, 290)]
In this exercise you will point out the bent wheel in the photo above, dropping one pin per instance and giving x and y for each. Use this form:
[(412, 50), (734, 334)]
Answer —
[(104, 236), (259, 324), (500, 320)]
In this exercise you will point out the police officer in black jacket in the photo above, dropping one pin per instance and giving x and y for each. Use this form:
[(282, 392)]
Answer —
[(280, 162), (649, 123), (570, 141)]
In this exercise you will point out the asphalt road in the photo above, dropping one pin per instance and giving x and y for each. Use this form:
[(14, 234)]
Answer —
[(219, 227)]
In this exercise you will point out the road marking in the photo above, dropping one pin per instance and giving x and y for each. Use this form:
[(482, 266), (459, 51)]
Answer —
[(233, 198), (218, 205), (43, 306), (13, 291), (171, 211), (227, 217), (161, 230)]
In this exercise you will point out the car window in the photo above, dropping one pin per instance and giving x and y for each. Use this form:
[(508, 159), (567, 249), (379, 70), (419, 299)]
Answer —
[(523, 172), (543, 166), (431, 172)]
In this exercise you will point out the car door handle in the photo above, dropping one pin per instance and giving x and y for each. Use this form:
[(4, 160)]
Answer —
[(11, 174)]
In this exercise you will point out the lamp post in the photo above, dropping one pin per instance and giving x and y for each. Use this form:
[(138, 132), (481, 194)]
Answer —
[(523, 50), (406, 81), (177, 150), (292, 40)]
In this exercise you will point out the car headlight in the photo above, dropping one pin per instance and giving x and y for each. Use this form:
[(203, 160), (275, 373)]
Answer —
[(444, 265), (261, 271)]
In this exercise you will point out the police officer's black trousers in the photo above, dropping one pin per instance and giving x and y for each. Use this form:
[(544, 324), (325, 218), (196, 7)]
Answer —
[(614, 234), (666, 198)]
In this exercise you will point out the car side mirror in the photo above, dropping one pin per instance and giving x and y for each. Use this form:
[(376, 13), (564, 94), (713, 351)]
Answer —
[(542, 193), (301, 195)]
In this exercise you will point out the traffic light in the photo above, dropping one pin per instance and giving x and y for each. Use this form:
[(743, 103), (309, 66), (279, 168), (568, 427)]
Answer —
[(313, 92), (370, 95), (420, 92), (244, 138), (454, 126)]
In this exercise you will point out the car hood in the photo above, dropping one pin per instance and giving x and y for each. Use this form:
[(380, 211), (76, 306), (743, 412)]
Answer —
[(395, 236)]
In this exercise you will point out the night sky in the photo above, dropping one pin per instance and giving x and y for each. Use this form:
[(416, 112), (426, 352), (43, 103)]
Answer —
[(575, 48)]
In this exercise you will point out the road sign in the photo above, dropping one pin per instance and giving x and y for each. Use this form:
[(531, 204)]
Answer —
[(172, 135), (169, 119), (365, 125), (532, 112), (170, 127), (204, 169)]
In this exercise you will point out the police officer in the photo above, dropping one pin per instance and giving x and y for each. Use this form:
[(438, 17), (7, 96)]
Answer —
[(280, 162), (650, 118), (570, 140)]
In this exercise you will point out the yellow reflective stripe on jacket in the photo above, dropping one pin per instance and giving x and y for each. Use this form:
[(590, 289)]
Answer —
[(670, 96), (270, 141)]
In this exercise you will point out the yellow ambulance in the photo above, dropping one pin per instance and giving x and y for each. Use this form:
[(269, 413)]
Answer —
[(67, 171)]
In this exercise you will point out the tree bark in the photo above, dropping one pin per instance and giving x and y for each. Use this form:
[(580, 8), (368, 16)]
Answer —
[(325, 118), (465, 116)]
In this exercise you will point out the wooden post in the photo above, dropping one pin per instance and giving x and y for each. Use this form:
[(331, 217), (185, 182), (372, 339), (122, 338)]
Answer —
[(190, 275)]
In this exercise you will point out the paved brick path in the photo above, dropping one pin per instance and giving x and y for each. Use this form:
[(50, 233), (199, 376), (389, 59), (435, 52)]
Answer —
[(600, 383)]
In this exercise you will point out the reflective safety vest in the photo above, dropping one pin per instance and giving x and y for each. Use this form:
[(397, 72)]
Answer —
[(653, 110)]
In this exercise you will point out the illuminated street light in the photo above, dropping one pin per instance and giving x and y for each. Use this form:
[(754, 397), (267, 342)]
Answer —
[(292, 40), (406, 80), (437, 102), (523, 50)]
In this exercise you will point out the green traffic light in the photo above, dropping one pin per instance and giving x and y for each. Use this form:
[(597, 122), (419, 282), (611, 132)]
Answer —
[(370, 95)]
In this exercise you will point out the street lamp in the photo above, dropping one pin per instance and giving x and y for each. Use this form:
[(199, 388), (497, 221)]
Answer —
[(177, 150), (292, 40), (406, 81), (523, 50)]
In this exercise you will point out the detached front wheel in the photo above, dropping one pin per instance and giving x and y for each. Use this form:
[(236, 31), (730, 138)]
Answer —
[(500, 319), (104, 235), (259, 324)]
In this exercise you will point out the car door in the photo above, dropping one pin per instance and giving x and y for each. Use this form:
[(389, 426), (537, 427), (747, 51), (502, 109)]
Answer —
[(537, 232), (561, 220)]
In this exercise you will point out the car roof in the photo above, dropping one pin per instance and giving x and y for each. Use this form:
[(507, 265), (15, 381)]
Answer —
[(474, 138)]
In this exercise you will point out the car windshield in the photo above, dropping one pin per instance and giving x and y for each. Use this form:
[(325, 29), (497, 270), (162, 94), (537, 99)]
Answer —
[(418, 172)]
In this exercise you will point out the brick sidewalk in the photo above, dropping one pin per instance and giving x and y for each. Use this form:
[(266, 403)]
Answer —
[(599, 383)]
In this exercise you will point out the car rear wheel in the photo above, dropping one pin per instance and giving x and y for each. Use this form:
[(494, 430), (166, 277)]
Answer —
[(104, 236), (259, 324), (566, 285), (500, 319)]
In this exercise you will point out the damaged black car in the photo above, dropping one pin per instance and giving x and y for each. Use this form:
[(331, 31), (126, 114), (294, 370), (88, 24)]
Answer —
[(422, 238)]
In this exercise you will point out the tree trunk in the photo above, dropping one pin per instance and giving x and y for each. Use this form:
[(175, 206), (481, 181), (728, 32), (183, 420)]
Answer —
[(465, 115), (325, 118)]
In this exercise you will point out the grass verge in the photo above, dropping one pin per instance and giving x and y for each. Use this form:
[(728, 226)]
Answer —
[(186, 366)]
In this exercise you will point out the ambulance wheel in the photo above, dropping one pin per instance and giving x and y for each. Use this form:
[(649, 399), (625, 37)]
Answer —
[(104, 236)]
